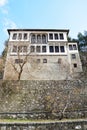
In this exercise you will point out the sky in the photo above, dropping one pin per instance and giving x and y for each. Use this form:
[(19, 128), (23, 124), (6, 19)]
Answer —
[(42, 14)]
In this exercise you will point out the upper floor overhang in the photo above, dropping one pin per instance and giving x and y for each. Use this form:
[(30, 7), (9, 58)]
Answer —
[(40, 30)]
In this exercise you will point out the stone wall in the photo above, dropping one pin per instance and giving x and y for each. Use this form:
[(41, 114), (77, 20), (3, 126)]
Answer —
[(65, 125), (43, 99)]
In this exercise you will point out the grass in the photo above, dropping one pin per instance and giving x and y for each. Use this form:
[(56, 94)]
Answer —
[(39, 120)]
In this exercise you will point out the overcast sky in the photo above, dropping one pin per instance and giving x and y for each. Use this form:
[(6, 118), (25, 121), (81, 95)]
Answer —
[(59, 14)]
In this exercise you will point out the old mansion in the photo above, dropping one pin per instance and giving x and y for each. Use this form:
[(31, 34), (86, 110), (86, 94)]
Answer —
[(48, 54)]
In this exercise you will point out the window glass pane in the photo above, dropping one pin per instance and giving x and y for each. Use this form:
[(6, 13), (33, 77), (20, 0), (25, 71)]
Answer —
[(43, 48), (61, 36), (20, 49), (43, 38), (14, 36), (14, 49), (56, 48), (38, 39), (44, 60), (18, 61), (33, 38), (20, 36), (70, 47), (24, 48), (51, 48), (32, 49), (73, 56), (74, 47), (75, 65), (56, 36), (38, 49), (25, 36), (62, 49), (50, 36)]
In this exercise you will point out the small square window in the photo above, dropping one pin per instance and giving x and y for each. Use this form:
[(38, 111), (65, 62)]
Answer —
[(73, 56), (44, 60), (51, 36), (62, 49), (75, 65), (56, 36), (14, 36), (51, 48), (61, 36), (74, 47), (70, 47), (17, 61)]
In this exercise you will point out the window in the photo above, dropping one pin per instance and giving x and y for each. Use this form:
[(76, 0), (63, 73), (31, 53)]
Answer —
[(20, 36), (56, 48), (38, 49), (59, 61), (75, 65), (51, 36), (43, 38), (73, 56), (19, 48), (14, 36), (38, 39), (56, 36), (25, 36), (51, 48), (24, 48), (74, 47), (14, 49), (62, 49), (33, 38), (38, 60), (32, 49), (61, 36), (43, 48), (17, 61), (70, 47), (44, 60)]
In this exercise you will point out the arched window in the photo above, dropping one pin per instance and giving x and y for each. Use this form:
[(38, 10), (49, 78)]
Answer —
[(19, 36), (43, 38), (33, 38), (38, 38)]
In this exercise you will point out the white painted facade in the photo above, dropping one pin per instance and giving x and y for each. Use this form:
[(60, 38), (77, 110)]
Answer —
[(49, 44)]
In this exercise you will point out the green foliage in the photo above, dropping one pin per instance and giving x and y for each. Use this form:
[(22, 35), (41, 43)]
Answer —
[(4, 53), (82, 40)]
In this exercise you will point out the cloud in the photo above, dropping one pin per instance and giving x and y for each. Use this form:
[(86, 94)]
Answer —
[(3, 2), (8, 24)]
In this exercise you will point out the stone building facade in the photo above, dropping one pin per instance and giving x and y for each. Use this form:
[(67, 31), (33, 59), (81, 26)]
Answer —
[(48, 54)]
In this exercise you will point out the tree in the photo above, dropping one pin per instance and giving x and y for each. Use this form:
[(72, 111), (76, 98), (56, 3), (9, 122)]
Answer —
[(82, 40), (4, 53), (20, 62)]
